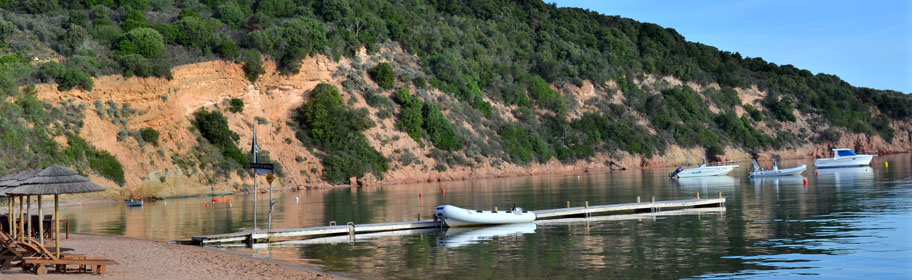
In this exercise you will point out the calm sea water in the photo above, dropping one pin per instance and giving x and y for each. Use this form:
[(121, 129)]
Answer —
[(846, 223)]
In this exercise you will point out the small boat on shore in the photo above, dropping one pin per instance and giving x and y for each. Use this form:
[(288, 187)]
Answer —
[(843, 157), (454, 216), (775, 171), (703, 170), (135, 203)]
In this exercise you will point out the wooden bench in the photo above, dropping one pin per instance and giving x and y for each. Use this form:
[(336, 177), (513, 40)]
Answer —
[(99, 264)]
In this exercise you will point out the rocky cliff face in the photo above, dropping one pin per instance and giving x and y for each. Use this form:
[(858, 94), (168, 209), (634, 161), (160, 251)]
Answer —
[(168, 105)]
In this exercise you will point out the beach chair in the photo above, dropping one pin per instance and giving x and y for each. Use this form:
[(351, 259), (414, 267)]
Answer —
[(41, 256), (10, 252)]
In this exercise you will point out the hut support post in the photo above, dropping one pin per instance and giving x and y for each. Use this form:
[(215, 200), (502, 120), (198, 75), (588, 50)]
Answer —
[(12, 223), (57, 224), (28, 216), (21, 201), (40, 223)]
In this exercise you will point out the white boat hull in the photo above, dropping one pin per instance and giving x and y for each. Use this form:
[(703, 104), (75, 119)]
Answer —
[(779, 172), (458, 217), (846, 161), (706, 171)]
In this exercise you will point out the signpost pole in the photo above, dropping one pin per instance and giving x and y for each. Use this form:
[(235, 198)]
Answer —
[(269, 179), (255, 153)]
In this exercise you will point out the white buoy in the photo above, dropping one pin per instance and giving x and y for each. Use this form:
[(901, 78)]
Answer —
[(577, 178), (296, 199)]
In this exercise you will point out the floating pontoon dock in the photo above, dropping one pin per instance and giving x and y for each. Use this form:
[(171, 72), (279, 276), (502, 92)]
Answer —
[(351, 229)]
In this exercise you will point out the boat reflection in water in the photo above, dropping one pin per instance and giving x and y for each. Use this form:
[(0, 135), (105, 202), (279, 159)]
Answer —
[(777, 181), (846, 176), (461, 236), (708, 183)]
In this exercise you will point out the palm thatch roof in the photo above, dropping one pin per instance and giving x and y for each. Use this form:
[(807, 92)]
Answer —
[(55, 180), (11, 181)]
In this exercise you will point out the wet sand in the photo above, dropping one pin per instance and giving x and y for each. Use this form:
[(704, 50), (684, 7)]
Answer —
[(146, 259)]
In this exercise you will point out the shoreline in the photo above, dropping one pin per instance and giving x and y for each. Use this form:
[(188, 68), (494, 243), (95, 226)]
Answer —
[(140, 258)]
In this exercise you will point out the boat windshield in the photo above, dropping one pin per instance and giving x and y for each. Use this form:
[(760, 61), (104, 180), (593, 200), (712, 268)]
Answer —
[(845, 153)]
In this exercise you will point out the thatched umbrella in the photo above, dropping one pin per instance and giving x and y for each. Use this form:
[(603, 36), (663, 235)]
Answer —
[(10, 183), (9, 199), (56, 180)]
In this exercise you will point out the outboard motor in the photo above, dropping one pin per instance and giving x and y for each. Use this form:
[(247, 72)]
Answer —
[(675, 173)]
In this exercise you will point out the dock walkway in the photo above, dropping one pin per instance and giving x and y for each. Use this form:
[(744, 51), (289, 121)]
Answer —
[(352, 229)]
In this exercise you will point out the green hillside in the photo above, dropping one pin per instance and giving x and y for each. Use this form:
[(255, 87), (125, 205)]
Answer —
[(512, 53)]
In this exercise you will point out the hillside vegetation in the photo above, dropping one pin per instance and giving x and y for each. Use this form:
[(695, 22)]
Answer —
[(512, 72)]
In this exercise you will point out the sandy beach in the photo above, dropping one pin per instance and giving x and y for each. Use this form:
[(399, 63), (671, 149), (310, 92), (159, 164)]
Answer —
[(146, 259)]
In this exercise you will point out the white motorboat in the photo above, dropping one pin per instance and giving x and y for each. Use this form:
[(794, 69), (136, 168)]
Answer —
[(456, 237), (775, 171), (843, 157), (458, 217), (703, 170)]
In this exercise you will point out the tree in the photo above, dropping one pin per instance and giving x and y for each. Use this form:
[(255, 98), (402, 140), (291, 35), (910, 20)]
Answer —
[(383, 74), (230, 14), (133, 19), (194, 32), (253, 65), (143, 41), (410, 119)]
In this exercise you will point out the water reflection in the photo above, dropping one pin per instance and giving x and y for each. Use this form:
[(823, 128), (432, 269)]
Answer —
[(455, 237), (847, 176), (777, 181), (709, 183)]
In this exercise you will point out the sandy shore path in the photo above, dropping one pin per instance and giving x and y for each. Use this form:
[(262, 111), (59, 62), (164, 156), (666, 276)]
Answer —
[(146, 259)]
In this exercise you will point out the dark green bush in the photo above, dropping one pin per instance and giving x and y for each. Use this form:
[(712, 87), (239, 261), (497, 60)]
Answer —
[(149, 135), (108, 166), (214, 128), (753, 112), (230, 14), (253, 65), (524, 144), (546, 97), (194, 32), (132, 20), (383, 74), (337, 130), (142, 41), (168, 32), (440, 131), (410, 116), (237, 105)]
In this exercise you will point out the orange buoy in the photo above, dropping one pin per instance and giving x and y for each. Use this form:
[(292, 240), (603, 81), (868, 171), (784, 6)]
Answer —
[(207, 205), (443, 191), (805, 181)]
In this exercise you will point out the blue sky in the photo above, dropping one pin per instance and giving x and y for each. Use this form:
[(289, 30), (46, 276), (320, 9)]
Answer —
[(866, 43)]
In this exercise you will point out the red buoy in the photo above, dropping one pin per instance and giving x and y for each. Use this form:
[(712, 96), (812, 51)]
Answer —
[(207, 205), (805, 181), (419, 195), (443, 191)]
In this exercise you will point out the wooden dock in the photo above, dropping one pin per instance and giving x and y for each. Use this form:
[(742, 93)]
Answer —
[(350, 229)]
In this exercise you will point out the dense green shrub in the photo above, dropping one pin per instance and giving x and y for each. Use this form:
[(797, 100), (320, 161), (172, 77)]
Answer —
[(753, 112), (230, 14), (194, 32), (142, 41), (336, 129), (546, 97), (253, 65), (440, 131), (214, 128), (108, 166), (149, 135), (132, 20), (410, 116), (276, 8), (524, 144), (383, 74), (727, 98), (237, 105), (168, 32)]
